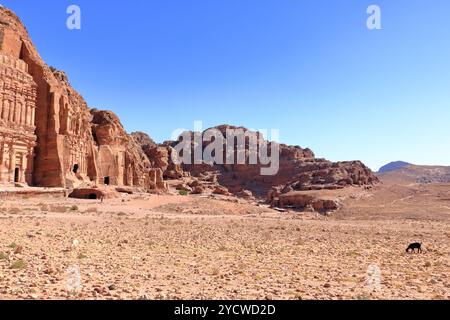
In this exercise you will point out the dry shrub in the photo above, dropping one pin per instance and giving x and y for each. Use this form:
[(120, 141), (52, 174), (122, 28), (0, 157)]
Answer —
[(18, 265)]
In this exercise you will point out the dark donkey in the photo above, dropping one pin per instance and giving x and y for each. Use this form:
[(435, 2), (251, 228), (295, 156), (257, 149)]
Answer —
[(415, 246)]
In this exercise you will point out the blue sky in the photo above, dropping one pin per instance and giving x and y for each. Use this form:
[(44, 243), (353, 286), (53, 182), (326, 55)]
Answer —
[(309, 68)]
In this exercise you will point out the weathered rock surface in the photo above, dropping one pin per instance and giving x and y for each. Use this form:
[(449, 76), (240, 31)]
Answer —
[(159, 156), (309, 201), (48, 135), (299, 171), (120, 158)]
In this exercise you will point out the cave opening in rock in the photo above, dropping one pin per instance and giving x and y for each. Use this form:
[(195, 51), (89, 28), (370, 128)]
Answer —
[(106, 181), (75, 168)]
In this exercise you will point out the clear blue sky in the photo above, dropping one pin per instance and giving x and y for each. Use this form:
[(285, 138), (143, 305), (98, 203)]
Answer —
[(310, 68)]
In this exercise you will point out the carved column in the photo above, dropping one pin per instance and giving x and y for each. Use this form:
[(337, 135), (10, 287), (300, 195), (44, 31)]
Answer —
[(26, 112), (28, 117), (12, 164), (29, 167), (23, 114), (11, 111), (5, 114), (17, 112), (33, 115), (23, 168)]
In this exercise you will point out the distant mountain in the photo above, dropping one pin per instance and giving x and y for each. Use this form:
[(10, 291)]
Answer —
[(393, 166), (416, 174)]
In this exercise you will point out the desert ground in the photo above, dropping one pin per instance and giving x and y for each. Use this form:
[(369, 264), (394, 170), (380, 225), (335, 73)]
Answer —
[(144, 246)]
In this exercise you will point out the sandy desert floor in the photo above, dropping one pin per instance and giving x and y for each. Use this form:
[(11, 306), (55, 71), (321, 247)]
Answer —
[(190, 247)]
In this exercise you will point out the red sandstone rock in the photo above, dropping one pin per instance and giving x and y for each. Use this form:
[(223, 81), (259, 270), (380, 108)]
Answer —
[(308, 201), (76, 147), (144, 140), (121, 160), (245, 194), (183, 187), (299, 170), (157, 180), (159, 156), (221, 190), (92, 193), (198, 190)]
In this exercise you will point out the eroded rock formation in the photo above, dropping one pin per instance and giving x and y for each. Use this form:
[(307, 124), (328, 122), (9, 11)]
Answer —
[(48, 135), (160, 156), (299, 170)]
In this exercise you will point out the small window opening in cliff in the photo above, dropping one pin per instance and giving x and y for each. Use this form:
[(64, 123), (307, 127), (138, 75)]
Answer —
[(92, 196), (106, 181), (75, 168), (16, 175)]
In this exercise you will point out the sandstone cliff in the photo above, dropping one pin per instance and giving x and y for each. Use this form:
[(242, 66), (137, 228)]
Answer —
[(62, 143)]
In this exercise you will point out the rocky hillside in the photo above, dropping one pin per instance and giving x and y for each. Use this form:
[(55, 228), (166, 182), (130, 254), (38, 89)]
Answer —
[(299, 170), (393, 166), (75, 146), (417, 174)]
